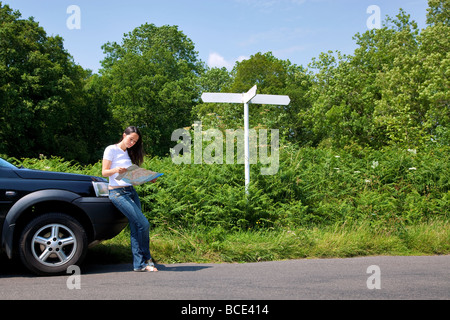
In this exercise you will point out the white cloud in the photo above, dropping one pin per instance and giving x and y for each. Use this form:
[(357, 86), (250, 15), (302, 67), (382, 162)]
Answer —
[(242, 58), (215, 60)]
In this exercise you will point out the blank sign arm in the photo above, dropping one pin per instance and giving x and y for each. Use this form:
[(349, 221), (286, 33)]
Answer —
[(222, 97), (271, 99)]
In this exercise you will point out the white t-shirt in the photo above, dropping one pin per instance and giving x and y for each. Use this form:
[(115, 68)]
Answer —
[(118, 158)]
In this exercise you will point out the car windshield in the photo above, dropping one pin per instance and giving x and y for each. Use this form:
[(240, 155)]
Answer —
[(6, 164)]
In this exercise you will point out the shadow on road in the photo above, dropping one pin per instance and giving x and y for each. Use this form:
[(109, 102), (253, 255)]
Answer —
[(181, 268), (14, 268), (123, 267)]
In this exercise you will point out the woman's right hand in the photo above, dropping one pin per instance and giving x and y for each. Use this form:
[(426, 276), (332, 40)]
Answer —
[(108, 172), (121, 170)]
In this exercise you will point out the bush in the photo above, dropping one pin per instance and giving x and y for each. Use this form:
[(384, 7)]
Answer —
[(313, 187), (388, 189)]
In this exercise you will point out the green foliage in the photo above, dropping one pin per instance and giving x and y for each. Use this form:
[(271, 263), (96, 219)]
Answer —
[(323, 202), (438, 12), (314, 187), (392, 91), (272, 76), (151, 81), (46, 105)]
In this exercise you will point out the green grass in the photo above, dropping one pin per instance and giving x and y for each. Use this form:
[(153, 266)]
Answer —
[(340, 241)]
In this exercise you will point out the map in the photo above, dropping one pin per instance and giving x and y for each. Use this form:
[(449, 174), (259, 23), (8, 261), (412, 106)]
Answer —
[(137, 176)]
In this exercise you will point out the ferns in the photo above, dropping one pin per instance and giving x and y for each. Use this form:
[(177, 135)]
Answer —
[(313, 187)]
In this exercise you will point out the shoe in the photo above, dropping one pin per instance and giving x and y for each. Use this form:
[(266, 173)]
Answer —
[(150, 268)]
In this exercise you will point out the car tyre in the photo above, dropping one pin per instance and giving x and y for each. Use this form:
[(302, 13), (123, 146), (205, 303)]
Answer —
[(52, 242)]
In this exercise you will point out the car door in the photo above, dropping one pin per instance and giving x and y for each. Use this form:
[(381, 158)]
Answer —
[(8, 192)]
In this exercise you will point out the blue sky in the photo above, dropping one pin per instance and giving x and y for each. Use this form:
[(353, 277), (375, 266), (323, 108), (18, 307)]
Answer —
[(223, 31)]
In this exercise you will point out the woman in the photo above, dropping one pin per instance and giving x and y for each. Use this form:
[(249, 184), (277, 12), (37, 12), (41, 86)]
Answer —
[(116, 159)]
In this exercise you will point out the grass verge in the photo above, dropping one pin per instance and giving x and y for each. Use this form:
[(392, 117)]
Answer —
[(203, 245)]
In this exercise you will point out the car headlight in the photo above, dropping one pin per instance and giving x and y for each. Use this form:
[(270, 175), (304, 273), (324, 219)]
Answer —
[(101, 189)]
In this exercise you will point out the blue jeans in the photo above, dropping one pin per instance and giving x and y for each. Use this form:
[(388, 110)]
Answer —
[(127, 201)]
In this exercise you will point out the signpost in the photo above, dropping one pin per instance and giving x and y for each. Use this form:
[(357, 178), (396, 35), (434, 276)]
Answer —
[(246, 98)]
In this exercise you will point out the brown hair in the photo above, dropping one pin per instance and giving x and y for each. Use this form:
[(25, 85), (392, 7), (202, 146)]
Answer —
[(136, 152)]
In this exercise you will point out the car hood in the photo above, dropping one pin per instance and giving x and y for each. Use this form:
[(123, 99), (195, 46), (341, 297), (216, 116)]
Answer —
[(48, 175)]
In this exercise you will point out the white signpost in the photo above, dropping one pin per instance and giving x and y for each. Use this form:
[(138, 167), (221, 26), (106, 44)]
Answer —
[(247, 98)]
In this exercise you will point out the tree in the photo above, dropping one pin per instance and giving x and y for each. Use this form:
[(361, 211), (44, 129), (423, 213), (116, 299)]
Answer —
[(415, 89), (44, 107), (434, 57), (151, 79), (392, 90), (213, 80), (438, 12), (272, 76)]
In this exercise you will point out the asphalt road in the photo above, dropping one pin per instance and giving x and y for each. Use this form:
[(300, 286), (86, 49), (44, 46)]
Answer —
[(404, 278)]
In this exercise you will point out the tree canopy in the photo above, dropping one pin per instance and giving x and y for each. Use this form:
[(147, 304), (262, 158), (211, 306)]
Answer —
[(152, 82), (392, 90), (47, 105)]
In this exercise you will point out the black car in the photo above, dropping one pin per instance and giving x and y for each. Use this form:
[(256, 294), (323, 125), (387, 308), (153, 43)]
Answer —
[(49, 219)]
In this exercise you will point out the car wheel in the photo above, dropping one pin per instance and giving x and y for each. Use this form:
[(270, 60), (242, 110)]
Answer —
[(51, 243)]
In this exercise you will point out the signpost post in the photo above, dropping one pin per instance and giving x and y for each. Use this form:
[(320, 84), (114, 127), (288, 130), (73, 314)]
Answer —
[(246, 98)]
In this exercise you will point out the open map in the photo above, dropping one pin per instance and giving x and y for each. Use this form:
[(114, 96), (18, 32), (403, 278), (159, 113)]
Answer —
[(137, 176)]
